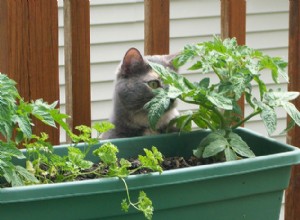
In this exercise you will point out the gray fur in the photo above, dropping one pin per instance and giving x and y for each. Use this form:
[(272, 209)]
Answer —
[(132, 93)]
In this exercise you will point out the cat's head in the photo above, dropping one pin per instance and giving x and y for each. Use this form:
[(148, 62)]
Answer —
[(136, 81)]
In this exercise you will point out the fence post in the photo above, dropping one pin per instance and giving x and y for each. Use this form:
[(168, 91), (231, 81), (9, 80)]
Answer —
[(29, 51), (77, 61), (233, 24), (292, 199), (157, 26)]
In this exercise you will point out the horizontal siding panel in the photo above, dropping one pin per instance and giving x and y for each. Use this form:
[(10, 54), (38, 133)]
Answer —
[(261, 22), (101, 110), (184, 9), (112, 2), (100, 72), (266, 6), (117, 13), (267, 40)]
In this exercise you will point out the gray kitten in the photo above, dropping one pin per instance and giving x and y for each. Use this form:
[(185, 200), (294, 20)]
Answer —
[(133, 89)]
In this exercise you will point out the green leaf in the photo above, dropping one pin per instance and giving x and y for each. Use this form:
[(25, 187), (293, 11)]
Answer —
[(215, 147), (8, 170), (76, 157), (196, 66), (239, 146), (276, 65), (267, 114), (9, 149), (156, 107), (125, 205), (289, 126), (276, 99), (152, 159), (230, 154), (204, 83), (189, 52), (269, 118), (292, 111), (102, 127), (28, 177), (145, 205), (220, 101), (60, 119), (172, 78), (261, 85), (24, 124), (211, 137), (107, 153), (42, 111), (183, 122)]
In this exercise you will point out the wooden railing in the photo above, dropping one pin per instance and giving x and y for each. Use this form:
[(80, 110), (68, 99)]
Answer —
[(29, 55)]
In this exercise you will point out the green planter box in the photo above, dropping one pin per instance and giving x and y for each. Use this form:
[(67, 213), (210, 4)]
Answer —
[(245, 189)]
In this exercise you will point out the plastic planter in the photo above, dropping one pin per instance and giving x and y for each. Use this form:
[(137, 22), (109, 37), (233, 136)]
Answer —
[(245, 189)]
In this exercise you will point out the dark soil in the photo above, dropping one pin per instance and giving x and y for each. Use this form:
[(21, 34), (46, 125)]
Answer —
[(169, 163)]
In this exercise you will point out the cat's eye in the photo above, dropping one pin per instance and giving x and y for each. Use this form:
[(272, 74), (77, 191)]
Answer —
[(154, 84)]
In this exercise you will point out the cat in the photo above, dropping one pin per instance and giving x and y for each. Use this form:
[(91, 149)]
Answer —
[(133, 89)]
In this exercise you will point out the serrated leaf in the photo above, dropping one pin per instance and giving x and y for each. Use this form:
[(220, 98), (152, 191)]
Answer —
[(276, 99), (240, 146), (10, 150), (173, 93), (145, 205), (76, 156), (172, 78), (107, 153), (220, 101), (269, 118), (189, 52), (28, 177), (292, 112), (104, 126), (60, 119), (24, 124), (125, 205), (156, 107), (8, 171), (152, 159), (42, 111)]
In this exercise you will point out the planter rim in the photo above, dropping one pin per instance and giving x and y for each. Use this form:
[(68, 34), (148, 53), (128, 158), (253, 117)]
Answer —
[(291, 156)]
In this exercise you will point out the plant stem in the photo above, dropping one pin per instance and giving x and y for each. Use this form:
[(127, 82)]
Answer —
[(217, 73), (128, 196), (246, 119), (216, 111)]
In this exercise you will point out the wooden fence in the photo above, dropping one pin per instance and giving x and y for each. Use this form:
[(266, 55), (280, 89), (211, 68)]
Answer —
[(29, 55)]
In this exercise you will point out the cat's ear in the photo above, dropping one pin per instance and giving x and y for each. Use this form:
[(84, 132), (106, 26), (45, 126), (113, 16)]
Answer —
[(132, 59), (168, 59)]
